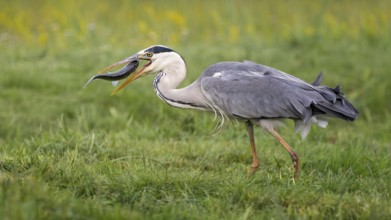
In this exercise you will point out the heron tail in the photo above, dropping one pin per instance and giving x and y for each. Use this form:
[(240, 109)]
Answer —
[(335, 105)]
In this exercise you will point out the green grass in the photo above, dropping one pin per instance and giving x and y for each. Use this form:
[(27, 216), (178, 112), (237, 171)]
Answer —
[(68, 153)]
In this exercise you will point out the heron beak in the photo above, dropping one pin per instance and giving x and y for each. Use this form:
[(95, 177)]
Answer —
[(127, 60), (135, 75)]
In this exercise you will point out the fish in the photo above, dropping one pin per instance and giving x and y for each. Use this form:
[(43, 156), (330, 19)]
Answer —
[(117, 75)]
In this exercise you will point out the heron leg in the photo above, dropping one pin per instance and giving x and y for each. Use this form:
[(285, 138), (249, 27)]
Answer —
[(255, 164), (294, 156)]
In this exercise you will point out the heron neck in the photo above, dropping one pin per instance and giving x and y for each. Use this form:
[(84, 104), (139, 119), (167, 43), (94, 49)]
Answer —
[(166, 83)]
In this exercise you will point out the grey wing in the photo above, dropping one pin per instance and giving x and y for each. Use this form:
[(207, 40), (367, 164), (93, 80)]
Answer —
[(248, 90), (277, 73)]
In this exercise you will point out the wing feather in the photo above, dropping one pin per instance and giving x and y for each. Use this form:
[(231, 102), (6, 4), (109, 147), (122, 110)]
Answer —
[(249, 90)]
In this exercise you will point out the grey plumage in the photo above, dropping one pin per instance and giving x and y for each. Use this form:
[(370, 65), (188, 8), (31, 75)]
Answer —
[(318, 79), (252, 91)]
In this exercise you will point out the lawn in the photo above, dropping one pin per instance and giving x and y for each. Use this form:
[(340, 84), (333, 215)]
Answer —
[(69, 153)]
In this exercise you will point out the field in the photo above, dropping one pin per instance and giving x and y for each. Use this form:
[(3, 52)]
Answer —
[(69, 153)]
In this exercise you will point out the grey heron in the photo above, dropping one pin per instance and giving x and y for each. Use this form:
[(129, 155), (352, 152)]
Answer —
[(246, 91)]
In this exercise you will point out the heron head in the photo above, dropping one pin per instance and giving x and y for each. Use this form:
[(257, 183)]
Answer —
[(155, 59)]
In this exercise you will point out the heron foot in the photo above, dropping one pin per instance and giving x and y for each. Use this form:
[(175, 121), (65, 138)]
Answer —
[(254, 167), (296, 166)]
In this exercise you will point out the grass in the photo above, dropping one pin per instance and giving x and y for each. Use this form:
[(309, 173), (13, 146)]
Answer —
[(68, 153)]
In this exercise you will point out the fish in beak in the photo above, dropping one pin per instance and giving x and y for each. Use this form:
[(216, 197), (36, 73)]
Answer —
[(125, 72)]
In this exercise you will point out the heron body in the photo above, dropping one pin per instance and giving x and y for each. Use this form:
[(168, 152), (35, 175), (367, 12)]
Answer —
[(250, 92)]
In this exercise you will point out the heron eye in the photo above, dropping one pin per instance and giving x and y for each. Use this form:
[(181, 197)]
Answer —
[(149, 54)]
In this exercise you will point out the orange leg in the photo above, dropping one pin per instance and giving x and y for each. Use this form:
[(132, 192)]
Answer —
[(294, 156), (255, 164)]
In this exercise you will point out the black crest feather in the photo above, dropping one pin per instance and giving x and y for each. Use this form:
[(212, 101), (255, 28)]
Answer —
[(158, 49)]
